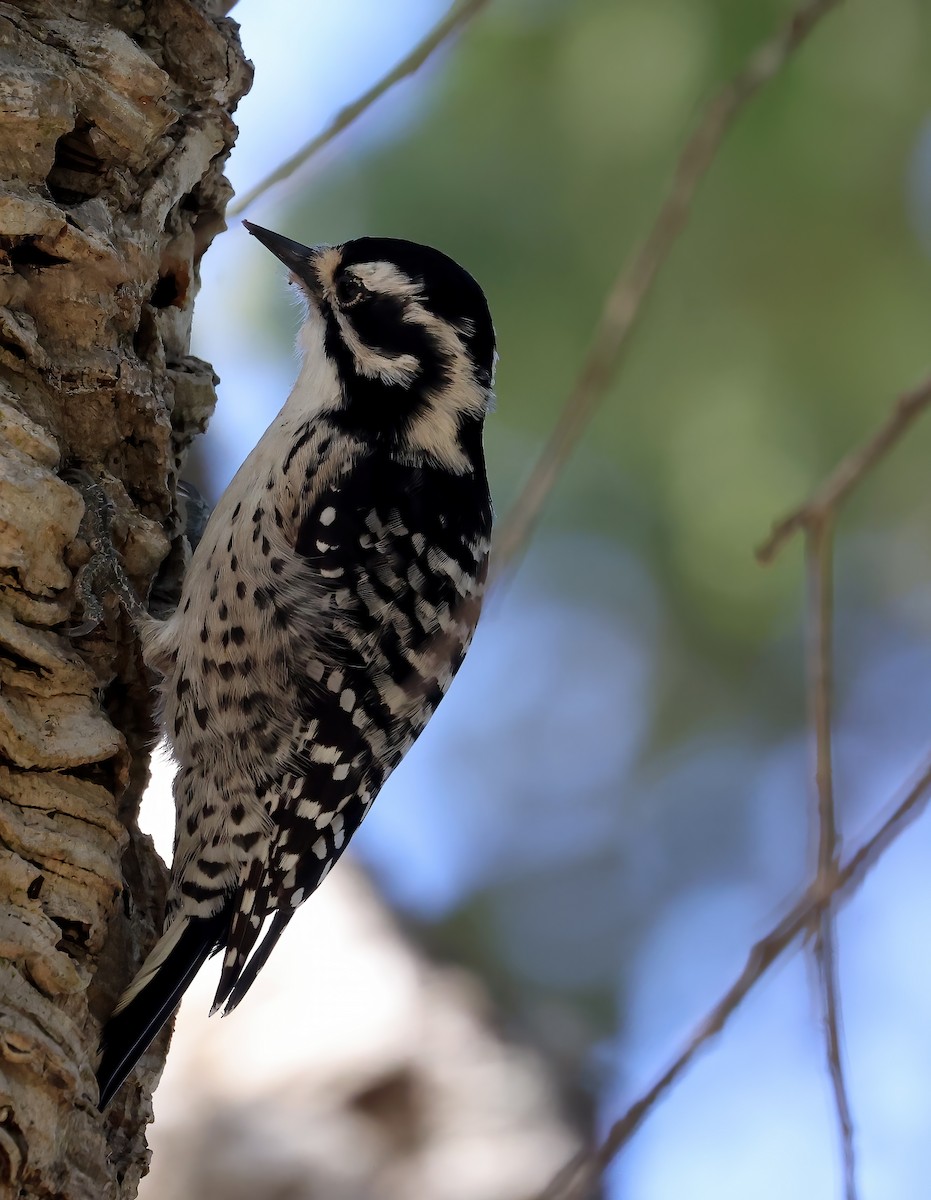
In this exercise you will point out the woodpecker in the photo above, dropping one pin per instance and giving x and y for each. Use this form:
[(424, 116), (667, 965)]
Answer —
[(326, 609)]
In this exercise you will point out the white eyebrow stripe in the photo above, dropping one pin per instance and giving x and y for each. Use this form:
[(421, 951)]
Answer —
[(386, 278)]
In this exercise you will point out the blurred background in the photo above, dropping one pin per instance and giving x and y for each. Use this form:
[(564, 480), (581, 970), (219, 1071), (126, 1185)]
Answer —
[(614, 801)]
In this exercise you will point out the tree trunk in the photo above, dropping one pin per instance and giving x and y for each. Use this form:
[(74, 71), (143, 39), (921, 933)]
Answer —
[(114, 127)]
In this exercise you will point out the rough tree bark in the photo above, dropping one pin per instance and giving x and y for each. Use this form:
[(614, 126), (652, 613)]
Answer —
[(114, 127)]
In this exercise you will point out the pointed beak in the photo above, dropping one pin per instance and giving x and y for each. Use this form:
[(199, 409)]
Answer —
[(300, 260)]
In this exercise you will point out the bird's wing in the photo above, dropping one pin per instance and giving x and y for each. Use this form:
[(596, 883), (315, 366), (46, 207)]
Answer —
[(392, 637)]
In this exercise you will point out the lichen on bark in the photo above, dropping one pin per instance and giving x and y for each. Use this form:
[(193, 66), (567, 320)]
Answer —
[(115, 122)]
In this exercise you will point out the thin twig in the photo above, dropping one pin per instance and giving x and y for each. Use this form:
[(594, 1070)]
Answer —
[(820, 568), (819, 554), (625, 300), (832, 493), (577, 1179), (826, 964), (454, 19)]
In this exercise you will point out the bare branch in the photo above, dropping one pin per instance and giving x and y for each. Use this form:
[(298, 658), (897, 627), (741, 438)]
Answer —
[(820, 685), (626, 298), (849, 472), (826, 963), (577, 1180), (819, 545), (459, 14)]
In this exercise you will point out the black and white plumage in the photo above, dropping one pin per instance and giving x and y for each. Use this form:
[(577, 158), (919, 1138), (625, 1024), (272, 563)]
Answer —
[(325, 611)]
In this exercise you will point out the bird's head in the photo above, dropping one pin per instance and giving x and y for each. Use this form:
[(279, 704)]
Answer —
[(408, 333)]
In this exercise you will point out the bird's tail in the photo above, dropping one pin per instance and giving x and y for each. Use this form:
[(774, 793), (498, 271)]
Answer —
[(152, 996)]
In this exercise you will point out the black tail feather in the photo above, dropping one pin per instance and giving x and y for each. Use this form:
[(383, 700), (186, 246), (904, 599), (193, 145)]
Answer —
[(244, 929), (128, 1034), (257, 961)]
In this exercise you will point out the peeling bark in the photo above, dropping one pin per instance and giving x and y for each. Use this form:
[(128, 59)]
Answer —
[(114, 127)]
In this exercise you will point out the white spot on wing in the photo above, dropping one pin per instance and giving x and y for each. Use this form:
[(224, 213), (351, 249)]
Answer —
[(325, 754)]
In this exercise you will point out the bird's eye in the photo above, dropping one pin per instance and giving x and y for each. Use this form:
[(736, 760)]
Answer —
[(349, 290)]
